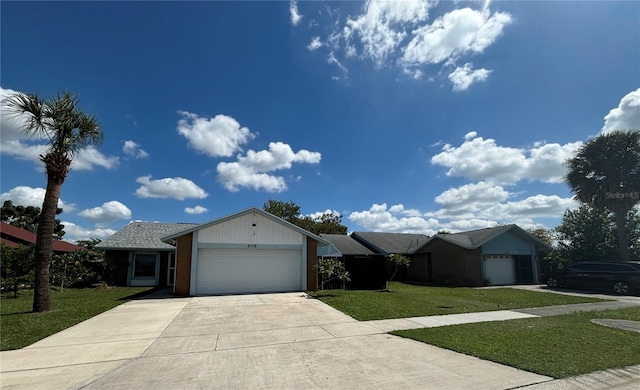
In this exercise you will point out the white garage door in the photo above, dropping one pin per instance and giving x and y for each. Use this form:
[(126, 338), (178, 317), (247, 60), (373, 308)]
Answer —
[(236, 271), (500, 269)]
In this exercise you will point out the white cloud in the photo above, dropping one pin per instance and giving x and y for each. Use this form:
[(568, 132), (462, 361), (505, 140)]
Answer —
[(195, 210), (132, 149), (14, 141), (475, 210), (379, 218), (480, 159), (74, 232), (471, 197), (398, 34), (537, 206), (29, 196), (380, 28), (315, 44), (626, 116), (463, 77), (177, 188), (89, 157), (295, 14), (461, 31), (251, 171), (218, 136), (331, 58), (108, 212)]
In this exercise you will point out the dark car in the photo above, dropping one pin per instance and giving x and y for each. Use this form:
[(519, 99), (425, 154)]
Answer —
[(620, 277)]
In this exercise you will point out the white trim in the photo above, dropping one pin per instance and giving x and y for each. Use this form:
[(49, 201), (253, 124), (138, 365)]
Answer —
[(169, 256)]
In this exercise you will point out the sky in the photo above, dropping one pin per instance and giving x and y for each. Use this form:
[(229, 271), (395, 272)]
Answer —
[(401, 116)]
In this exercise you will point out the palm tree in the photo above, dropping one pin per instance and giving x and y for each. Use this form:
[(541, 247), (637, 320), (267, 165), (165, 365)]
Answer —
[(68, 130), (605, 173)]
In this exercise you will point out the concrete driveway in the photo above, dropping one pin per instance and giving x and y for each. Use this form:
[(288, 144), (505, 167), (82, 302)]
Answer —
[(270, 341)]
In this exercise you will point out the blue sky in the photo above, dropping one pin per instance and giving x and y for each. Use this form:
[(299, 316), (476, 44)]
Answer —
[(402, 116)]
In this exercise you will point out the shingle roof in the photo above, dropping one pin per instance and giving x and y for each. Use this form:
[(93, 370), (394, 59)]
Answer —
[(346, 245), (143, 235), (388, 243), (476, 238), (13, 236)]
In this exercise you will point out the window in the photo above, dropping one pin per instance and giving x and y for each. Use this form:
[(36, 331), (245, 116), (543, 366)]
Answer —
[(144, 265)]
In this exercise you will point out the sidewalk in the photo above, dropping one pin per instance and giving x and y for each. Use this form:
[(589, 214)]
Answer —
[(487, 316)]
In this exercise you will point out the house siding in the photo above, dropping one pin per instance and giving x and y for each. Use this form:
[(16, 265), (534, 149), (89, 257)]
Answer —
[(252, 228), (509, 243), (183, 265)]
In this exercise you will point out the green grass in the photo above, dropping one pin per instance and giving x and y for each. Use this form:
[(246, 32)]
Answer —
[(19, 327), (558, 346), (405, 300)]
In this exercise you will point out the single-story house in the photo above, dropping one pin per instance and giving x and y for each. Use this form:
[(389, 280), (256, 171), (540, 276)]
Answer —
[(366, 268), (139, 256), (500, 255), (247, 252), (13, 237)]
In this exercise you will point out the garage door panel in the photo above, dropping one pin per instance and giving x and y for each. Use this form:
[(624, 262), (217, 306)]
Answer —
[(229, 271), (500, 271)]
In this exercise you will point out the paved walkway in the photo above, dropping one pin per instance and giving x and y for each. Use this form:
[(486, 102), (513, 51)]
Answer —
[(283, 341), (487, 316)]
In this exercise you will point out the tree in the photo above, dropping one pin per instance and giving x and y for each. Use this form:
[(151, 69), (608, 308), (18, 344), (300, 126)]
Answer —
[(397, 261), (590, 234), (605, 173), (327, 223), (543, 234), (16, 266), (290, 211), (68, 130), (27, 218), (331, 268)]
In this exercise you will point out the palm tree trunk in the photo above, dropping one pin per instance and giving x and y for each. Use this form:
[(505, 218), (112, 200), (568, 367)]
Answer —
[(44, 244), (621, 231)]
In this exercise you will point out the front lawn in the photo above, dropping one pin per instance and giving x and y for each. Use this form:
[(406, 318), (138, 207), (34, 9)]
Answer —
[(20, 327), (558, 346), (406, 300)]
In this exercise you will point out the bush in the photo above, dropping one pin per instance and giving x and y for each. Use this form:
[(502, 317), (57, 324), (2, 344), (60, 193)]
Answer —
[(16, 267), (76, 269)]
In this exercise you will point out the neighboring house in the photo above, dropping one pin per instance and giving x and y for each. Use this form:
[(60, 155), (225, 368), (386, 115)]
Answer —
[(366, 268), (501, 255), (13, 236), (391, 243), (251, 251), (139, 256)]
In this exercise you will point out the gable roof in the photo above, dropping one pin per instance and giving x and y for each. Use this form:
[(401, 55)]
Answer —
[(476, 238), (388, 243), (143, 235), (265, 214), (346, 245), (14, 236)]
